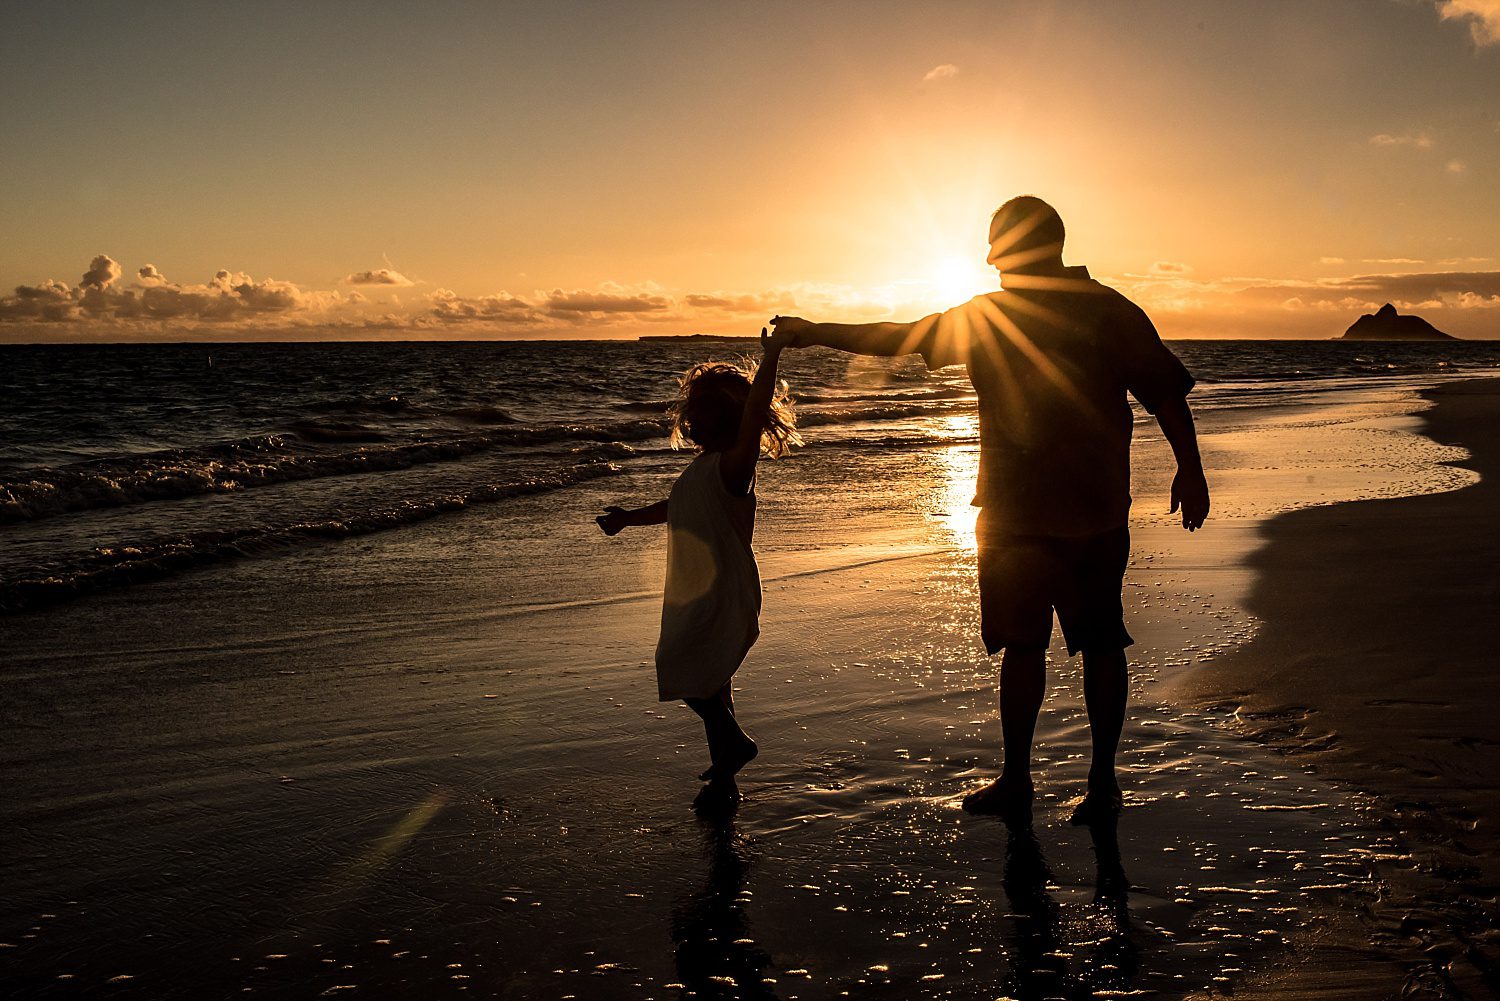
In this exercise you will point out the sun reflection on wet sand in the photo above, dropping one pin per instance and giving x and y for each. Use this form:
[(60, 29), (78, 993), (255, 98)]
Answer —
[(959, 467)]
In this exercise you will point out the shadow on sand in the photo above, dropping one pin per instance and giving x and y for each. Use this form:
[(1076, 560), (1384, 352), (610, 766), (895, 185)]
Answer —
[(715, 956), (1043, 938)]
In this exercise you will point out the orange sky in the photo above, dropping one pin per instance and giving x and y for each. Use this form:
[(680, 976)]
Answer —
[(594, 170)]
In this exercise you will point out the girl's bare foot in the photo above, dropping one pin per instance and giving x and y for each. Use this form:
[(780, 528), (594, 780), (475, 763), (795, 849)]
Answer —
[(1003, 797), (730, 766)]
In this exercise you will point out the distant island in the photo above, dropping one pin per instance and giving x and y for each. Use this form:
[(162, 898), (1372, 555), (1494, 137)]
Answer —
[(1385, 324), (695, 337)]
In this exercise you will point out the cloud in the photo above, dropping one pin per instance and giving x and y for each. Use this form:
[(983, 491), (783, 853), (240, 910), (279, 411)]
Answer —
[(102, 272), (448, 307), (609, 298), (234, 305), (1474, 300), (1483, 17), (231, 301), (1330, 260), (756, 303), (1419, 141), (945, 71), (380, 276), (1392, 260), (227, 296), (1456, 167), (50, 302), (1466, 303)]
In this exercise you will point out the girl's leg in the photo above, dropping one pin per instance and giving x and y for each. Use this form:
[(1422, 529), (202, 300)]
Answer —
[(711, 711), (728, 745)]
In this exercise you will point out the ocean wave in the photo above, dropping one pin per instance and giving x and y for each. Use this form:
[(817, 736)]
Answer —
[(130, 563), (247, 463), (400, 406), (878, 412), (481, 415), (365, 405), (937, 393), (333, 431)]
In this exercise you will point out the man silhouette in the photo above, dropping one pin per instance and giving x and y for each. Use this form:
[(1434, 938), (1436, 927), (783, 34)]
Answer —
[(1052, 356)]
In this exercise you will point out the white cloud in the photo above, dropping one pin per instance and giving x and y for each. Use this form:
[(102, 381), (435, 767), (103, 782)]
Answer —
[(609, 298), (227, 296), (1420, 140), (448, 307), (1330, 260), (148, 276), (379, 276), (102, 272), (1473, 300), (1456, 167), (754, 303), (1483, 17), (1464, 303), (946, 71)]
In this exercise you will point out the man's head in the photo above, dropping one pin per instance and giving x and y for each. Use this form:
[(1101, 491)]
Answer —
[(1026, 234)]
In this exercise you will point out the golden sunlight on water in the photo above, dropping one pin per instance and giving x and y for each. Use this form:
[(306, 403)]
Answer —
[(960, 467)]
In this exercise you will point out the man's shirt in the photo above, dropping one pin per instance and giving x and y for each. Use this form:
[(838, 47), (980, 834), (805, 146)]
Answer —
[(1052, 363)]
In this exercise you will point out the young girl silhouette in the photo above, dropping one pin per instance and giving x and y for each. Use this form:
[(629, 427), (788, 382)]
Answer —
[(711, 609)]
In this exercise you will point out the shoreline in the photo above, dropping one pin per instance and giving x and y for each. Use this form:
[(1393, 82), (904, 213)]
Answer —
[(1373, 667)]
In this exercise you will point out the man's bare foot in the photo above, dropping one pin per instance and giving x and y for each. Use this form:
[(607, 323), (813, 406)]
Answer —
[(1099, 806), (1002, 798), (730, 767)]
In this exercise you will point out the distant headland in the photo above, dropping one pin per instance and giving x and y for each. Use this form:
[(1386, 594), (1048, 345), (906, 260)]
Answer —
[(695, 337), (1386, 324)]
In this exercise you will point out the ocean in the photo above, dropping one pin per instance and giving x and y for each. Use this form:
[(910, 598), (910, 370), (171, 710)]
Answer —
[(124, 463)]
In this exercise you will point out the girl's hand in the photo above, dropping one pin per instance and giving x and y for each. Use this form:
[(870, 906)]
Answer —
[(612, 520), (770, 342)]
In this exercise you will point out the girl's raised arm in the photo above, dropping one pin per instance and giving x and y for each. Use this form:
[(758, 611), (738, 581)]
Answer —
[(737, 467)]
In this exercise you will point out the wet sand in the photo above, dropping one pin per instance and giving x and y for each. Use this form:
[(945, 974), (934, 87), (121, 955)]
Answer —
[(1376, 665), (432, 764)]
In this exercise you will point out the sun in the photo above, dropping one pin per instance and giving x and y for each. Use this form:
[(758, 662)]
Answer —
[(955, 279)]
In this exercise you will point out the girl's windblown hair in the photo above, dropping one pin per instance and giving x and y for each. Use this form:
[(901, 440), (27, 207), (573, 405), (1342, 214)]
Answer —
[(710, 405)]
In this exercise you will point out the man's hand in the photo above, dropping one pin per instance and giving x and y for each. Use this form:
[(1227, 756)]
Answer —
[(612, 520), (790, 327), (773, 343), (1190, 492)]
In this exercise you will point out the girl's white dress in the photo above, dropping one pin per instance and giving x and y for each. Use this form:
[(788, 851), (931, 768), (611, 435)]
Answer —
[(710, 614)]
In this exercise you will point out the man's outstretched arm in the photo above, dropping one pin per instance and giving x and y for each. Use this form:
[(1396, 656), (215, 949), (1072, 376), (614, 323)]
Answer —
[(1189, 486), (887, 339)]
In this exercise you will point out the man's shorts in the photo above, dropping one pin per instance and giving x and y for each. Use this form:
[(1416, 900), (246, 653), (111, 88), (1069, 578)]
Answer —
[(1022, 578)]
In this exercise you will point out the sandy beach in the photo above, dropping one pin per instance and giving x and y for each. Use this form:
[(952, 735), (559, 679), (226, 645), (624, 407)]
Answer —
[(433, 761), (1374, 664)]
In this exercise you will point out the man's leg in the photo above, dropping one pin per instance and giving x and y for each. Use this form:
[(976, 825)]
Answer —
[(1093, 621), (1017, 575), (1105, 687), (1023, 680)]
